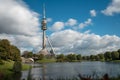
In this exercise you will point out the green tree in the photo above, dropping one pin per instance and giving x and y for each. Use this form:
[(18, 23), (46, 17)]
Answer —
[(119, 53), (101, 56), (27, 54), (71, 57), (107, 56), (79, 57), (115, 55), (41, 56), (4, 49), (8, 51), (92, 57), (60, 58), (97, 58), (15, 53)]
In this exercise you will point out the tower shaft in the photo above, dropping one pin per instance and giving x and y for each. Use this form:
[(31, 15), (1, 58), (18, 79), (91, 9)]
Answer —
[(44, 40)]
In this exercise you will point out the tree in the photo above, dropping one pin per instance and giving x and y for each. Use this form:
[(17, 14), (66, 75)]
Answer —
[(92, 57), (101, 56), (27, 54), (107, 56), (4, 49), (40, 57), (8, 51), (97, 58), (115, 55), (14, 53), (79, 57), (60, 58), (119, 53), (71, 57)]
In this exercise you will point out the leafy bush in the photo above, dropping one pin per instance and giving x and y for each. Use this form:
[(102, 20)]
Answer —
[(1, 62), (17, 67)]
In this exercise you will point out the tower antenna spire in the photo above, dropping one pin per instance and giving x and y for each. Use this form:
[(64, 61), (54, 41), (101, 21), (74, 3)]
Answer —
[(44, 16)]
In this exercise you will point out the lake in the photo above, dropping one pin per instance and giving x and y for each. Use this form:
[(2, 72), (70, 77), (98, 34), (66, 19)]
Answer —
[(72, 69)]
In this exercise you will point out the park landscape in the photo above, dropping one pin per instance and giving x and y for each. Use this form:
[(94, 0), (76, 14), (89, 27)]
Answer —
[(59, 40)]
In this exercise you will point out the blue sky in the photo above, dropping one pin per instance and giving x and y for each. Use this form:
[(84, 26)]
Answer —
[(74, 26), (62, 10)]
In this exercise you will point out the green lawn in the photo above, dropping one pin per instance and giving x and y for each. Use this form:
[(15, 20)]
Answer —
[(47, 60), (6, 68)]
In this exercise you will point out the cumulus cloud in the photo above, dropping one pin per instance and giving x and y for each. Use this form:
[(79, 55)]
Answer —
[(71, 22), (93, 13), (23, 42), (112, 8), (70, 41), (57, 26), (86, 23), (19, 24), (17, 18)]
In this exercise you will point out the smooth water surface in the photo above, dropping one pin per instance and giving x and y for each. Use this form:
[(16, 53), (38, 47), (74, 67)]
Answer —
[(70, 69)]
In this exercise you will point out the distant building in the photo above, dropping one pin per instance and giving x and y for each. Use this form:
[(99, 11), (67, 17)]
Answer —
[(27, 60)]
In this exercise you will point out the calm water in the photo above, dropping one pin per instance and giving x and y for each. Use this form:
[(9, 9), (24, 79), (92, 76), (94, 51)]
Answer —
[(72, 69)]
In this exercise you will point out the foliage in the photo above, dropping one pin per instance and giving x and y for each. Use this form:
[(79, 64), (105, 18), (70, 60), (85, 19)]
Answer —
[(71, 57), (41, 56), (107, 56), (27, 54), (79, 57), (115, 55), (60, 58), (17, 67), (1, 62), (8, 51)]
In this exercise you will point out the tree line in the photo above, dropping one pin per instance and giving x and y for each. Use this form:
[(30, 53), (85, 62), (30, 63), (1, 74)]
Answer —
[(107, 56)]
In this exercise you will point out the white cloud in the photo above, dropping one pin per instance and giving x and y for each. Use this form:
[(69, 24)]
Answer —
[(23, 42), (113, 8), (86, 23), (69, 41), (71, 22), (93, 13), (49, 19), (17, 18), (57, 26), (19, 24)]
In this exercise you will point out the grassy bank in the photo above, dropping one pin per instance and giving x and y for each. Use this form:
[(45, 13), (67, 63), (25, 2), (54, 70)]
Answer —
[(47, 60), (7, 67), (115, 61)]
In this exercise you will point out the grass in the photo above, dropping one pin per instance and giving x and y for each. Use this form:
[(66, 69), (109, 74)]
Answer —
[(25, 66), (7, 67), (47, 60), (115, 60)]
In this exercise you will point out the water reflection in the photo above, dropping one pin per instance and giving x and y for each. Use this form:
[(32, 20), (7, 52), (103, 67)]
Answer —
[(14, 76), (67, 70), (57, 70)]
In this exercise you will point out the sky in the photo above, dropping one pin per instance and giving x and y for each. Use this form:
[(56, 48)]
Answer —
[(74, 26)]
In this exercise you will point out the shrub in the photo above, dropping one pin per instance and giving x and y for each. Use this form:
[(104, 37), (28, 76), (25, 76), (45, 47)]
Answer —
[(1, 62), (17, 67)]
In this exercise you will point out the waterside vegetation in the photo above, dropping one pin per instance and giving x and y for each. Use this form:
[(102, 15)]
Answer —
[(10, 59)]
